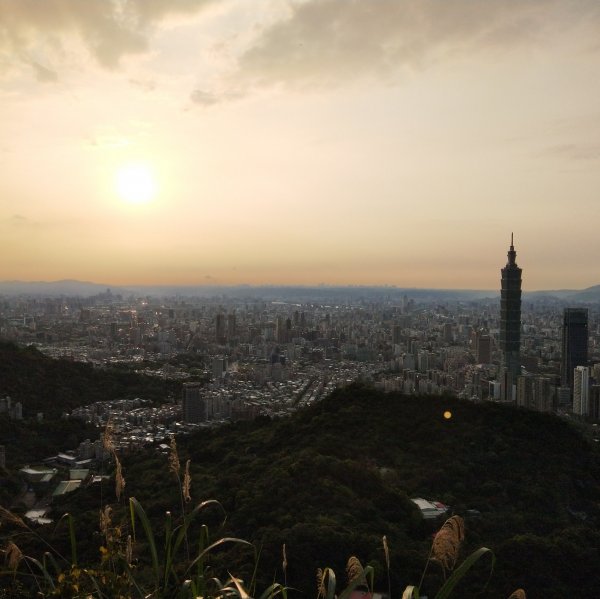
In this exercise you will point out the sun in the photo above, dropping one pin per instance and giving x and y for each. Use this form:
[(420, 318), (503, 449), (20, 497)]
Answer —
[(136, 183)]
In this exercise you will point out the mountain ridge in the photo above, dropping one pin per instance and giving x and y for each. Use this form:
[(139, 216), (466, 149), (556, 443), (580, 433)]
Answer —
[(74, 288)]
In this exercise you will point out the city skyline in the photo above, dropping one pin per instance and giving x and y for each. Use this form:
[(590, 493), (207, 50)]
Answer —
[(296, 142)]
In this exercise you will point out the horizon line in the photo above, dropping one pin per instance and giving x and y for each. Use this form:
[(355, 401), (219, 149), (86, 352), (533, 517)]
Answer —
[(272, 285)]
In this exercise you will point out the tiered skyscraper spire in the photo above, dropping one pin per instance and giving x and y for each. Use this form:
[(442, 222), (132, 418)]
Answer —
[(510, 322)]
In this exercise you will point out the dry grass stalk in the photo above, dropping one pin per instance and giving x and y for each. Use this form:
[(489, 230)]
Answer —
[(447, 542), (187, 482), (12, 556), (6, 516), (354, 569), (386, 551), (518, 594), (119, 480), (320, 583), (108, 437), (105, 520), (174, 465), (285, 562)]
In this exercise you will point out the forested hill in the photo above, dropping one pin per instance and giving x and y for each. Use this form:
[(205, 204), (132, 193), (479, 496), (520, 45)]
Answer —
[(333, 479), (43, 384)]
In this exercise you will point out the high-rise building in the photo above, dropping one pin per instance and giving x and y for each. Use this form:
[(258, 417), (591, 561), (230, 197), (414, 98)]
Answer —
[(510, 323), (219, 367), (594, 406), (220, 329), (581, 391), (535, 392), (483, 347), (193, 403), (574, 343), (231, 326)]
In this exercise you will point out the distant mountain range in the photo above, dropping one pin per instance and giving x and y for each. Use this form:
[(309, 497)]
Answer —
[(325, 293)]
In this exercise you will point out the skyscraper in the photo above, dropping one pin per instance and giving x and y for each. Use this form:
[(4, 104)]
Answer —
[(220, 329), (510, 323), (574, 343), (581, 390), (483, 347)]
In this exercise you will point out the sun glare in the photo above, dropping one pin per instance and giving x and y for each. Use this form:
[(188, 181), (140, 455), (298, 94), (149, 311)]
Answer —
[(136, 183)]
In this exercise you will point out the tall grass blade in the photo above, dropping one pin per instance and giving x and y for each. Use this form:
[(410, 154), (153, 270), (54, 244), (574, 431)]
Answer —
[(141, 514), (48, 557), (240, 589), (274, 590), (255, 571), (365, 576), (203, 542), (72, 539), (466, 565), (327, 589), (168, 547), (190, 518), (42, 569), (132, 518), (411, 592), (214, 546)]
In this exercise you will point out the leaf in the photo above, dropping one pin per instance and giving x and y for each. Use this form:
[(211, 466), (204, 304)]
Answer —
[(238, 585), (411, 592), (136, 507), (366, 576), (73, 542), (466, 565), (42, 570), (189, 518), (274, 590), (213, 546), (329, 575)]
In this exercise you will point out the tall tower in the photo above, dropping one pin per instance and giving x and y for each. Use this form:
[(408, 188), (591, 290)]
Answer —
[(574, 343), (510, 323)]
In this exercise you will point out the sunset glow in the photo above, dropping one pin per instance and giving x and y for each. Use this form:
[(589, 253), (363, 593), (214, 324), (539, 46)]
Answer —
[(136, 183), (300, 142)]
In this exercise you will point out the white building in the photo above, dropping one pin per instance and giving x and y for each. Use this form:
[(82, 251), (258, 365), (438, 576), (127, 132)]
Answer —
[(581, 391)]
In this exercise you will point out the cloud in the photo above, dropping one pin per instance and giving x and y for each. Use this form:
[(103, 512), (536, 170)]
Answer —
[(110, 29), (18, 222), (43, 74), (204, 98), (329, 42), (207, 98), (576, 152), (147, 85)]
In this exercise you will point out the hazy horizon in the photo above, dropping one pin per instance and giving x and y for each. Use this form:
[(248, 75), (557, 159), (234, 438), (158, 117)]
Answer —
[(209, 285), (294, 142)]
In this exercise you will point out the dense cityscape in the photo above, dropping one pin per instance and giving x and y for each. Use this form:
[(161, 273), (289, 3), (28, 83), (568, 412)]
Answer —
[(245, 358)]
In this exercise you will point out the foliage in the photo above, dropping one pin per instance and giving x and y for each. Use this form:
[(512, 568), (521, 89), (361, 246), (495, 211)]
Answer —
[(28, 442), (43, 384), (333, 479), (123, 570)]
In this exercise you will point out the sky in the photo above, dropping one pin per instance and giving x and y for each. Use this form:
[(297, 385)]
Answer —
[(361, 142)]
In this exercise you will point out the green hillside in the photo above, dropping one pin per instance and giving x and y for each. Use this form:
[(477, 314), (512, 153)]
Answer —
[(43, 384), (330, 481)]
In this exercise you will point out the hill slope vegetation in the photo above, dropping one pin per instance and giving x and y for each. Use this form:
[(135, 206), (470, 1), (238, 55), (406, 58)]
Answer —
[(43, 384), (331, 480)]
